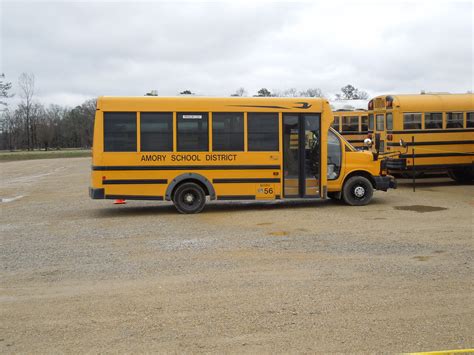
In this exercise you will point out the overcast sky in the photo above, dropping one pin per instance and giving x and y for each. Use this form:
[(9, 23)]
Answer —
[(79, 50)]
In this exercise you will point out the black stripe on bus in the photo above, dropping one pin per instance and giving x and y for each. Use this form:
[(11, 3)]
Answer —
[(433, 166), (354, 132), (441, 166), (134, 197), (236, 197), (391, 144), (252, 180), (135, 181), (187, 167), (447, 130), (262, 106), (355, 140), (435, 155)]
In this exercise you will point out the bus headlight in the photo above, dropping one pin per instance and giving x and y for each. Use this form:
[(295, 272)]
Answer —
[(368, 142)]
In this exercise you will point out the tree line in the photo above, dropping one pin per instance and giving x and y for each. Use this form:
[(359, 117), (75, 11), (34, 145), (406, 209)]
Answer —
[(348, 92), (32, 125)]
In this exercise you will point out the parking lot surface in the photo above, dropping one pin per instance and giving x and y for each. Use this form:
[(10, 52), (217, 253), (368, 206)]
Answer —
[(81, 275)]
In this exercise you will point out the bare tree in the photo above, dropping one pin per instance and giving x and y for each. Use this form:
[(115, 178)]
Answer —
[(4, 88), (239, 92), (349, 92), (291, 92), (26, 82), (263, 92), (312, 92), (7, 129), (5, 116)]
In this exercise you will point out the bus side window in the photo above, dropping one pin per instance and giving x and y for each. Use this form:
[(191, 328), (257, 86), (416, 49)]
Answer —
[(454, 120), (379, 122), (470, 120), (364, 127), (350, 123), (120, 131), (335, 123), (263, 132), (228, 131), (334, 156), (433, 120), (389, 120), (412, 121), (193, 131), (156, 132), (371, 122)]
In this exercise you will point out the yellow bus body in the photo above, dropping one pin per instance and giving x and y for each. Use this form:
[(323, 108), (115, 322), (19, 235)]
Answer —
[(223, 175), (442, 126)]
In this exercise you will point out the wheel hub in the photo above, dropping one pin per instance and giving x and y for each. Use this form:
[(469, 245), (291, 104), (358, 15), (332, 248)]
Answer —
[(189, 198), (359, 191)]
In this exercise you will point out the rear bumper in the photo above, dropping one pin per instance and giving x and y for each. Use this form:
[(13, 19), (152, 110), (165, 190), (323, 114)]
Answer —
[(96, 194), (384, 183)]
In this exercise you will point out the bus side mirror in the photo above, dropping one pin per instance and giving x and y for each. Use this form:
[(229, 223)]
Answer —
[(402, 143)]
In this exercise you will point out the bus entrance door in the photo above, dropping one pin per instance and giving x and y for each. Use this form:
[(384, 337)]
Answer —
[(301, 155)]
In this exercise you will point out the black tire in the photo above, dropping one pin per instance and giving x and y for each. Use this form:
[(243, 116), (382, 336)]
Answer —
[(189, 198), (357, 191), (462, 175)]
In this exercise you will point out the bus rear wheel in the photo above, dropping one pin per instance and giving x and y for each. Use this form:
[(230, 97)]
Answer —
[(189, 198), (462, 175), (357, 191)]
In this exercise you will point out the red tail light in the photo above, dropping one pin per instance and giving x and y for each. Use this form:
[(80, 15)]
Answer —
[(389, 137)]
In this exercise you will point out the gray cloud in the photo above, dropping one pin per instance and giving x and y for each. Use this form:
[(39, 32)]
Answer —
[(84, 49)]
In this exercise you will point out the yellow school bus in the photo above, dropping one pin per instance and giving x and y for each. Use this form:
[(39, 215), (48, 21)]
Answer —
[(440, 125), (353, 125), (190, 149)]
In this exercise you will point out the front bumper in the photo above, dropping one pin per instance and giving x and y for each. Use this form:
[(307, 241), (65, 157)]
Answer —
[(96, 194), (384, 183), (396, 164)]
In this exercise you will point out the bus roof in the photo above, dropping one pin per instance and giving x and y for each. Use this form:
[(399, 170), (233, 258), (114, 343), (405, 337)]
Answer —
[(223, 104), (432, 102), (349, 105), (359, 112)]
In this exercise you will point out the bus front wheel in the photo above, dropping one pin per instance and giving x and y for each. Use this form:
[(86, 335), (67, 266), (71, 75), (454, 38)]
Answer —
[(357, 191), (189, 198)]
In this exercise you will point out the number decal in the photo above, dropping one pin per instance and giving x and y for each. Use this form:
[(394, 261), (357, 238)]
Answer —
[(268, 191)]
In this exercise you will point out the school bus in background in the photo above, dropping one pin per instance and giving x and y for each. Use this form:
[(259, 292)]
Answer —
[(186, 150), (441, 125), (353, 125)]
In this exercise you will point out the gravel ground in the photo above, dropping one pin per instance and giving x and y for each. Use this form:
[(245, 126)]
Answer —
[(290, 276)]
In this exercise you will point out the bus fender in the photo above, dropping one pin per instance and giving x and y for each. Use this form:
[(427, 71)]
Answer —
[(190, 176)]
